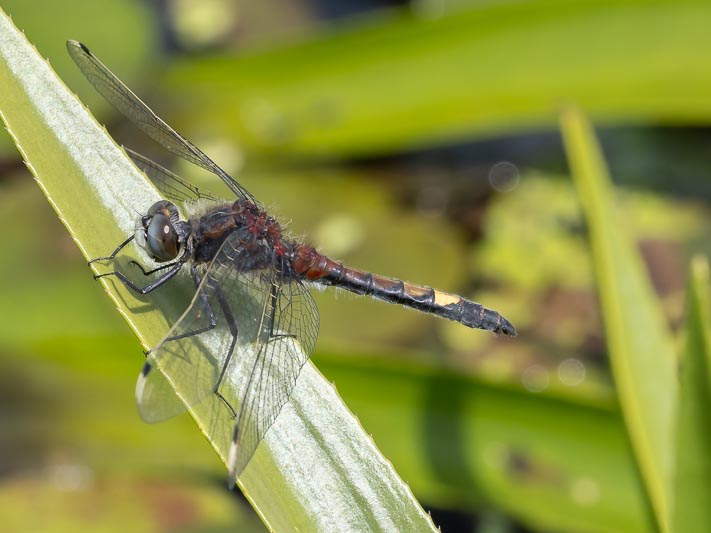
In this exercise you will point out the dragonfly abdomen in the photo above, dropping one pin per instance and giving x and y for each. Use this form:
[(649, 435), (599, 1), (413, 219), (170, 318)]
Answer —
[(312, 266)]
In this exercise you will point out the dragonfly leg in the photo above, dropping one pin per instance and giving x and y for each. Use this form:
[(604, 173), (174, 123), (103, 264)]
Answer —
[(232, 325), (152, 271), (274, 294), (211, 318), (152, 285), (113, 254)]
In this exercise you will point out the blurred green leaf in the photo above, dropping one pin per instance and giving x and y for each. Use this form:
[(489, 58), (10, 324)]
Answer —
[(638, 339), (69, 501), (96, 190), (692, 475), (399, 81), (555, 464), (121, 27)]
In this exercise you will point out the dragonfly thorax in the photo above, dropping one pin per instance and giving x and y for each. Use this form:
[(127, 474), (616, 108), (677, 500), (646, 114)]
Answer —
[(249, 229)]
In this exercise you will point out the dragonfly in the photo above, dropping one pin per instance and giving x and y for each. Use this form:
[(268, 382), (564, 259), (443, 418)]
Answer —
[(251, 298)]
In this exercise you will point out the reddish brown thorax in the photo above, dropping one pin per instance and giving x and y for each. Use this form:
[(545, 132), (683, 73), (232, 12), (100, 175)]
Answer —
[(257, 223), (217, 230)]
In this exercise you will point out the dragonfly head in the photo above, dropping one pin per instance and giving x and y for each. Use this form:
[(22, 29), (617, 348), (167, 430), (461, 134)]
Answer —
[(157, 232)]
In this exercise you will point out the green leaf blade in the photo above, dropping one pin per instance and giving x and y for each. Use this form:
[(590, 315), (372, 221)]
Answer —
[(692, 475), (396, 82), (639, 343)]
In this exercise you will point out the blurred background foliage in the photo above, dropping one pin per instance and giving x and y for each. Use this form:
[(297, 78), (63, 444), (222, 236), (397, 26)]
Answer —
[(413, 139)]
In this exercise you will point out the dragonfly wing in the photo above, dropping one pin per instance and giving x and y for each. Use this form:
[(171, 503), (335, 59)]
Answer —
[(283, 343), (236, 352), (171, 186), (133, 108), (157, 400), (181, 370)]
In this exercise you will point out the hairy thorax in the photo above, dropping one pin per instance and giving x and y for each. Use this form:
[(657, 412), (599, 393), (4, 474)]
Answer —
[(250, 230)]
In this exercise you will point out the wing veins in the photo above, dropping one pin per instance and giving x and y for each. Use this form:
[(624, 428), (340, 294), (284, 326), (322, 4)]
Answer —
[(170, 184), (138, 112)]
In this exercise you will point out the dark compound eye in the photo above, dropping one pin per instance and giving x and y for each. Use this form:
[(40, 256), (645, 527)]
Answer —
[(161, 239)]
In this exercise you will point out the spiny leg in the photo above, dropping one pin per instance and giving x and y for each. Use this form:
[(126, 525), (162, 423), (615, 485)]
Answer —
[(127, 282), (232, 325), (176, 266), (275, 293), (154, 270), (148, 288), (114, 253), (212, 319)]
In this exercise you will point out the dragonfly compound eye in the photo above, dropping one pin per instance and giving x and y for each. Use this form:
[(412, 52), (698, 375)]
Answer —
[(161, 239)]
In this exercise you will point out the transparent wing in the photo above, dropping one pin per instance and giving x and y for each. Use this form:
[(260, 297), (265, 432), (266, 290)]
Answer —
[(123, 99), (171, 186), (286, 339), (235, 354), (157, 400)]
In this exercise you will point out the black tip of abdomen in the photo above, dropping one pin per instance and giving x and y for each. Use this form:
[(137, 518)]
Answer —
[(475, 315), (506, 327), (493, 321)]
